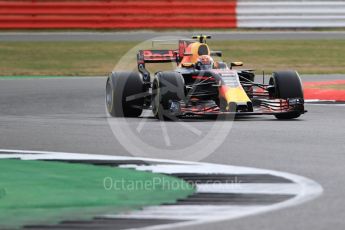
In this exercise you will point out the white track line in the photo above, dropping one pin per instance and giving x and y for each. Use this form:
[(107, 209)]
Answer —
[(302, 188), (197, 168), (318, 100), (250, 188), (329, 105), (189, 212)]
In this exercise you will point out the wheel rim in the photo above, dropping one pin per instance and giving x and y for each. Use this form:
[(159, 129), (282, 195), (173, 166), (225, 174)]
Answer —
[(109, 96)]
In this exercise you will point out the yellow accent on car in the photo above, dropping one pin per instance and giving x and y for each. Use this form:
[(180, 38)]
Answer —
[(237, 95), (194, 50), (187, 64), (236, 63)]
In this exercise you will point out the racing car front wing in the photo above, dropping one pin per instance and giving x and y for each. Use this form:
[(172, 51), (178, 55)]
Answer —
[(261, 107)]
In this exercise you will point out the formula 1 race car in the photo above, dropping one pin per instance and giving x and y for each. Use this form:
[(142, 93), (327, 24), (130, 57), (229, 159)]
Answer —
[(200, 86)]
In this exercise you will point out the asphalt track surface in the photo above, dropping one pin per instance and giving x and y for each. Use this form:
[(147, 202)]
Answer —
[(145, 35), (68, 114)]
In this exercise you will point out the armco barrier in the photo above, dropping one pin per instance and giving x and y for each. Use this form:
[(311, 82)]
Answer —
[(290, 14), (126, 14)]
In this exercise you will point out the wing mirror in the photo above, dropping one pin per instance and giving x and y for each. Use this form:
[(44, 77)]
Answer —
[(236, 63), (188, 65), (216, 53)]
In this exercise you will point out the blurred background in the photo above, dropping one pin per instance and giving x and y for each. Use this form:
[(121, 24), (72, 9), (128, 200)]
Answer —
[(171, 14), (55, 55)]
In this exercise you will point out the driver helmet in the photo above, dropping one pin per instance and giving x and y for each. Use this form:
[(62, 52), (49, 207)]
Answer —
[(205, 62)]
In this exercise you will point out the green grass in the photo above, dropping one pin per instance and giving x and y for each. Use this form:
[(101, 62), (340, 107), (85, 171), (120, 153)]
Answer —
[(60, 58), (308, 57), (336, 87), (36, 192), (99, 58)]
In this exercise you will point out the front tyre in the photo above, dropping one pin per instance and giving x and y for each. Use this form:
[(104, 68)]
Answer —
[(287, 85), (288, 116), (124, 94)]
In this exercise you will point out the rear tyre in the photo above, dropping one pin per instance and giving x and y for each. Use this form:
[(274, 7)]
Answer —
[(287, 85), (123, 94), (167, 88)]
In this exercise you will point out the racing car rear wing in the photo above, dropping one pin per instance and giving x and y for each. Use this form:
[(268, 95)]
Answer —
[(156, 56), (168, 55)]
